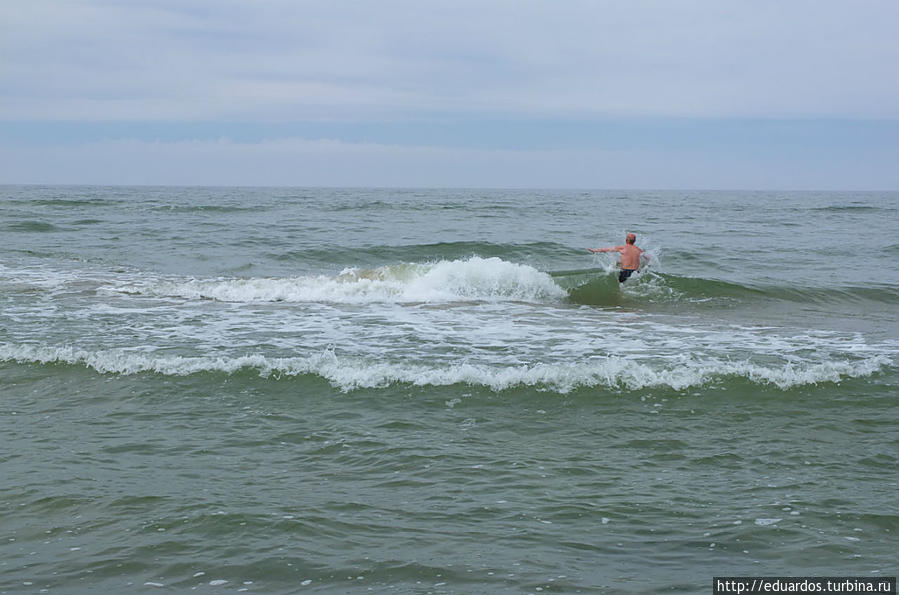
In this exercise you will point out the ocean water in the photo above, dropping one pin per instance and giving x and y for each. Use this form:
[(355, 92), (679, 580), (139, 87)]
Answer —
[(281, 390)]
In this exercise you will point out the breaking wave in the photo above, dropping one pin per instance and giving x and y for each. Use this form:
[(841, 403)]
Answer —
[(350, 373), (474, 279)]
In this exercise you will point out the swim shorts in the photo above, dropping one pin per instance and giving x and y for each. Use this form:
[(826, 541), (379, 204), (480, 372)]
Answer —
[(623, 274)]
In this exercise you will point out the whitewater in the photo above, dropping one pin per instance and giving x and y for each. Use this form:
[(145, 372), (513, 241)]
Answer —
[(478, 321)]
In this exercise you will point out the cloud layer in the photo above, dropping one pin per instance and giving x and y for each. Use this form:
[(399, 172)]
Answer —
[(301, 162), (274, 60), (649, 93)]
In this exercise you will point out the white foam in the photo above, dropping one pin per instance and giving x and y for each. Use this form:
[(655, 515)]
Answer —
[(45, 279), (479, 279), (349, 373)]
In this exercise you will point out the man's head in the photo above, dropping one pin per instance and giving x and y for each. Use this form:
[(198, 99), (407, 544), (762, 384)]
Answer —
[(631, 238)]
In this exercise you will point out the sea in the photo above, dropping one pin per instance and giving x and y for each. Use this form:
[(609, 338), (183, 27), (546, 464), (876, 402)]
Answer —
[(355, 390)]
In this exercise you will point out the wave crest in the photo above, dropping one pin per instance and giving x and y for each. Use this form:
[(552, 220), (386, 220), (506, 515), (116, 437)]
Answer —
[(474, 279), (351, 373)]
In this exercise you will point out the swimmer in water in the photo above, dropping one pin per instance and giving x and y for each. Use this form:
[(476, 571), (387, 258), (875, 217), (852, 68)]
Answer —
[(630, 256)]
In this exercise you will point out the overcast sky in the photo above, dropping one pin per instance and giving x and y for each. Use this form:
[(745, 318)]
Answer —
[(783, 94)]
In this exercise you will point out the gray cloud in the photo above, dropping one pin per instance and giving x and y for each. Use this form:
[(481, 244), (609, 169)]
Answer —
[(283, 60)]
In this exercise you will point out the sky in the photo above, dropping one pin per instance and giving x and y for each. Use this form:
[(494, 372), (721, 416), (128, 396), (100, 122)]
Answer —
[(700, 94)]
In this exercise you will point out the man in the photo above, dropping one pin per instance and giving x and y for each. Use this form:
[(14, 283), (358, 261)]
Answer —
[(630, 257)]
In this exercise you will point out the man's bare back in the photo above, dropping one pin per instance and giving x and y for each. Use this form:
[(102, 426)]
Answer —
[(630, 256)]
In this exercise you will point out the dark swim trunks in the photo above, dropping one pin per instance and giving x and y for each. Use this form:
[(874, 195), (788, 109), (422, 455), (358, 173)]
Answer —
[(623, 274)]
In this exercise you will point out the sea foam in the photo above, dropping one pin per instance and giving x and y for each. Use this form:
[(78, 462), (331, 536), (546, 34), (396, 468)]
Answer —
[(474, 279), (348, 373)]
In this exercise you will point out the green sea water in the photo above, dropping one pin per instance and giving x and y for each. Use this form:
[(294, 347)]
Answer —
[(281, 390)]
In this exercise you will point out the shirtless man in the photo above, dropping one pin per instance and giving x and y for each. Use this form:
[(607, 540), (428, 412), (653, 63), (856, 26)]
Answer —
[(630, 257)]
